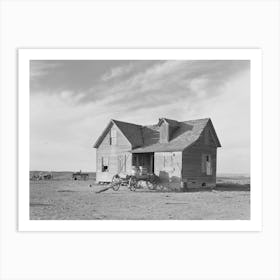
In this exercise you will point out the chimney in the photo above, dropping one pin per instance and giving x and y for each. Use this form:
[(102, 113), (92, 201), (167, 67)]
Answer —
[(164, 131)]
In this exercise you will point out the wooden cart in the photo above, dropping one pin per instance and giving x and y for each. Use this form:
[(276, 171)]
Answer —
[(134, 182)]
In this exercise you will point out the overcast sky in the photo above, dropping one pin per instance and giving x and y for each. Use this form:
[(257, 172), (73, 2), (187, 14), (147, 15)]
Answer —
[(72, 102)]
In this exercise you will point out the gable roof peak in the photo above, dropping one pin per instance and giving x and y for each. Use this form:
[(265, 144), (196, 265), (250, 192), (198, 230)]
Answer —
[(125, 123), (132, 132)]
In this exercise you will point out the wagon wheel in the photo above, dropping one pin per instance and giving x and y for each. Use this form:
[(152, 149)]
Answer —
[(132, 184), (116, 187), (116, 183)]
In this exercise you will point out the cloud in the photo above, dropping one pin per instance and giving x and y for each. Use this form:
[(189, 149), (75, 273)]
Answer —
[(62, 133), (39, 68), (65, 124), (136, 83), (117, 72), (71, 96), (167, 82)]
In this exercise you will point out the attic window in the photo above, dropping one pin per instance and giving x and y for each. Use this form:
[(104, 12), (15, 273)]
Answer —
[(113, 137)]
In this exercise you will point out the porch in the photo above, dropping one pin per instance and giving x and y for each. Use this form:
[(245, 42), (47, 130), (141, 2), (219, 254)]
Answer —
[(146, 160)]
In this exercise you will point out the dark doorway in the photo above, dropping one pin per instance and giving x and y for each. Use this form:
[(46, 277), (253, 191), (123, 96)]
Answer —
[(145, 160)]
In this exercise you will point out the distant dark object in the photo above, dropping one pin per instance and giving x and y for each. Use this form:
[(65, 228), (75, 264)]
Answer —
[(80, 176), (41, 176)]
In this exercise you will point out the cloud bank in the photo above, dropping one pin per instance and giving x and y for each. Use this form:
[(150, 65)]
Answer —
[(66, 119)]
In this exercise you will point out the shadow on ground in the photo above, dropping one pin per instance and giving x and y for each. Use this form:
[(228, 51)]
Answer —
[(232, 187), (221, 187)]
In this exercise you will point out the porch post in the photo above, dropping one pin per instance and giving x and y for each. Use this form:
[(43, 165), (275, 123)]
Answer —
[(151, 164)]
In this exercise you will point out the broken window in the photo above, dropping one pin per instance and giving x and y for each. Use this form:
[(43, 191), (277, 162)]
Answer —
[(206, 164), (105, 164)]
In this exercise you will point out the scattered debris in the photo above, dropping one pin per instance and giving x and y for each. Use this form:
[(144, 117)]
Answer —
[(80, 175), (41, 176), (176, 203), (40, 204)]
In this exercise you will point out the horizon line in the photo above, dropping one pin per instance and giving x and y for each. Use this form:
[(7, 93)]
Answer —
[(221, 173)]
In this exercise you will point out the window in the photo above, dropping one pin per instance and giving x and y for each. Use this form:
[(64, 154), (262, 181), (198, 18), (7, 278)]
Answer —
[(105, 164), (206, 164), (113, 137)]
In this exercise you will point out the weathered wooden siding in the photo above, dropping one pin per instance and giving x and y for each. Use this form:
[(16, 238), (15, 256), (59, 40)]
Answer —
[(168, 166), (119, 157), (193, 171)]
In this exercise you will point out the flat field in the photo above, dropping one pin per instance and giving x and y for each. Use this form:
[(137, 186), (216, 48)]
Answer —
[(66, 199)]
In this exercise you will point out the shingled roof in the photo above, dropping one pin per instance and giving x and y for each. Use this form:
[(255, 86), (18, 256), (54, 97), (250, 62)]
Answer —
[(131, 131), (145, 139)]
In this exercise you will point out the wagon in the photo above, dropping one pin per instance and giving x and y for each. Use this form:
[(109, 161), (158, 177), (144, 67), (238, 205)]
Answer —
[(137, 181)]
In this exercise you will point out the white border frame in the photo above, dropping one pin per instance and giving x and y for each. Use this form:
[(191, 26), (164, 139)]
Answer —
[(254, 55)]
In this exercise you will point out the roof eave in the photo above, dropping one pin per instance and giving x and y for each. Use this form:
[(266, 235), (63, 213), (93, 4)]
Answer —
[(157, 151), (218, 144), (102, 135)]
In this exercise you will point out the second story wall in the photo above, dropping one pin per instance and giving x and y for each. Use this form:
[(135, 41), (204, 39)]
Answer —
[(114, 142)]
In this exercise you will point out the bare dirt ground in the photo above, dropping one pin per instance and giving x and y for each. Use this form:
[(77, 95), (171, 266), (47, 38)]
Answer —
[(75, 200)]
